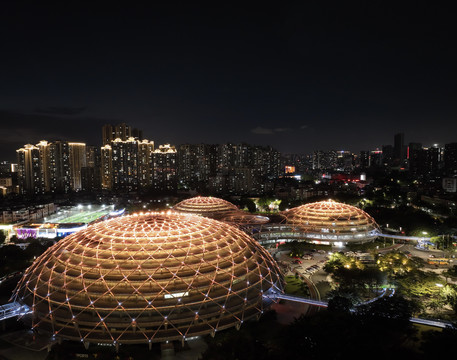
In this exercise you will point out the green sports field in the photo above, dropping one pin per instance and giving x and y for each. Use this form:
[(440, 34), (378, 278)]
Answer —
[(80, 214)]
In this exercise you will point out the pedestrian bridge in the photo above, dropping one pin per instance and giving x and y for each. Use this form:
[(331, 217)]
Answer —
[(303, 300), (403, 237), (13, 309), (283, 233)]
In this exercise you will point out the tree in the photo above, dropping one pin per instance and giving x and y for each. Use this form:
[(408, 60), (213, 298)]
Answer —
[(436, 344), (36, 248), (296, 248), (419, 284), (396, 263), (451, 272), (340, 304), (395, 308), (2, 237), (450, 295), (336, 261), (12, 258)]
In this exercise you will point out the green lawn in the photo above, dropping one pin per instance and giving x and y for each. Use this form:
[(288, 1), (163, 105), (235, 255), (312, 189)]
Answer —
[(296, 286)]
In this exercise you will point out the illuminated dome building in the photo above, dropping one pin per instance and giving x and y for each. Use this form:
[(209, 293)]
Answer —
[(148, 278), (331, 222), (207, 206)]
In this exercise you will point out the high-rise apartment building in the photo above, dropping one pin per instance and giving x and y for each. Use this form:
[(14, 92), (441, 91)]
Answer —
[(106, 160), (399, 154), (376, 158), (344, 160), (416, 158), (325, 160), (125, 164), (77, 162), (59, 166), (45, 158), (364, 159), (450, 158), (51, 167), (370, 159), (145, 163), (30, 177), (120, 131), (196, 163), (387, 155), (165, 168), (112, 132), (231, 168), (91, 173)]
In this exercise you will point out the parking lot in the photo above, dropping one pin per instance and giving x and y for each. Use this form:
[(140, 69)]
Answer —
[(308, 264)]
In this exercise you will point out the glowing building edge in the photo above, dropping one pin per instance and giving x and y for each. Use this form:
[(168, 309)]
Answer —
[(326, 222)]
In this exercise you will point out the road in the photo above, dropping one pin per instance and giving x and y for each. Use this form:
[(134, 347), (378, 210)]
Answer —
[(318, 259)]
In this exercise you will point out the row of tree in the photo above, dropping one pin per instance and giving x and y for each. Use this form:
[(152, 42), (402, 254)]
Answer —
[(380, 330)]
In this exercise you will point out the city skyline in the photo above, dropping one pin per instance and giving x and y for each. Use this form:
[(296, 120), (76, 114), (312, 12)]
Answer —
[(296, 77), (406, 142)]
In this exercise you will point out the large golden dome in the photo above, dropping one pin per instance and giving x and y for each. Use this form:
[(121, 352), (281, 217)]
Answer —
[(208, 206), (147, 278)]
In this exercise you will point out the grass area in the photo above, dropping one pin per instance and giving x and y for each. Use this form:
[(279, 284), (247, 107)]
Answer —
[(84, 217), (296, 286)]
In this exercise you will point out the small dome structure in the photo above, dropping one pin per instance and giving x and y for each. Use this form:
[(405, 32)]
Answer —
[(207, 206)]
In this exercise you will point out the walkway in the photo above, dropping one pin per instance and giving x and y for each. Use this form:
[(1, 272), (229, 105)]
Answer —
[(390, 292), (404, 237), (13, 309)]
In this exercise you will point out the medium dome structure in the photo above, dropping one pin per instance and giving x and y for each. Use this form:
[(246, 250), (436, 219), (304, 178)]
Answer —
[(331, 221), (207, 206), (148, 278)]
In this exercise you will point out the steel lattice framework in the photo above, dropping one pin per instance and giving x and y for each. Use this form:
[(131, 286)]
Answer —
[(241, 219), (332, 220), (148, 278), (208, 206)]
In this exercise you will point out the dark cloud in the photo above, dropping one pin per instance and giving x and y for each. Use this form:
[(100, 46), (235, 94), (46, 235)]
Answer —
[(60, 110), (23, 128), (262, 131), (298, 76)]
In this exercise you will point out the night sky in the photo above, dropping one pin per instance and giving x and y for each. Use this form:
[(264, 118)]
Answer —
[(299, 76)]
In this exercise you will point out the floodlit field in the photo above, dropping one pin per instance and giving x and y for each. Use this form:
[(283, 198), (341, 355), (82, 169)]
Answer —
[(80, 214)]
